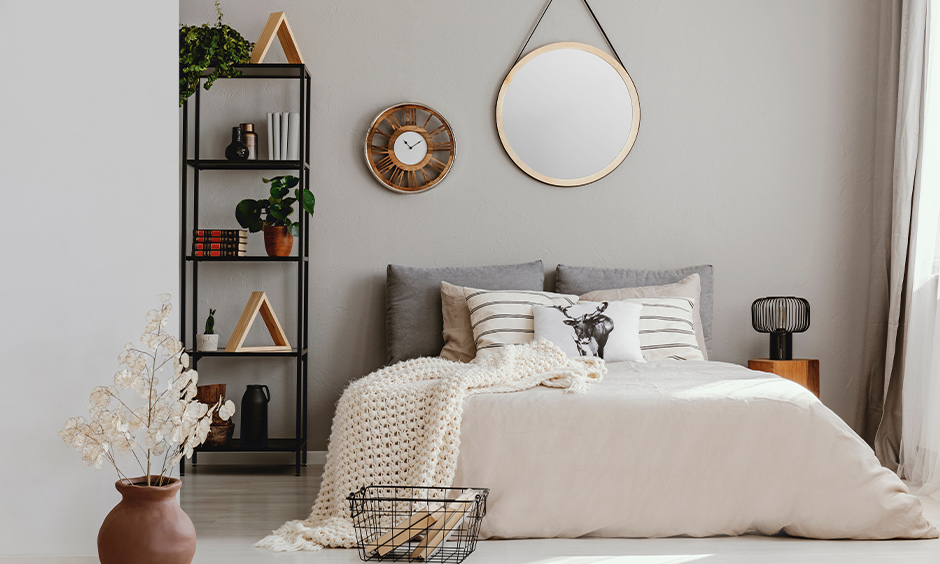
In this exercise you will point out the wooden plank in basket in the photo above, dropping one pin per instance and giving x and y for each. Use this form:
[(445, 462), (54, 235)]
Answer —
[(406, 530), (454, 513)]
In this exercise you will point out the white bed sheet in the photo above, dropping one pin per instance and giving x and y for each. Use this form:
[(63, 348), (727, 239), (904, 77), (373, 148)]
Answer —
[(678, 448)]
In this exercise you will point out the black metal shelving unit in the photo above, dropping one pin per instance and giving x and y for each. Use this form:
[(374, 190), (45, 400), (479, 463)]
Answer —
[(190, 265)]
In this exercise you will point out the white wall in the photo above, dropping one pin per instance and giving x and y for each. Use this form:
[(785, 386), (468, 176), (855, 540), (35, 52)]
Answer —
[(754, 155), (88, 169)]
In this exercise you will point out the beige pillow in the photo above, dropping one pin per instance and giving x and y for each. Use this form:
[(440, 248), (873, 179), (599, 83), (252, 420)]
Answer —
[(458, 336), (504, 317), (688, 287)]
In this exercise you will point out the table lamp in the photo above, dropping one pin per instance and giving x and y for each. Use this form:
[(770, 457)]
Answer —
[(781, 316)]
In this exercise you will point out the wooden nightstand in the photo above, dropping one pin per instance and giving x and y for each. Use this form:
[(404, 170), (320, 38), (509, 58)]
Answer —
[(803, 371)]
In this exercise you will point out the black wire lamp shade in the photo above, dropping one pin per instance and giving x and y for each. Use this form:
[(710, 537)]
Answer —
[(781, 316)]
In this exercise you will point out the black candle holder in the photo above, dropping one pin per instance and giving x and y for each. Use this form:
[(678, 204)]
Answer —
[(781, 316)]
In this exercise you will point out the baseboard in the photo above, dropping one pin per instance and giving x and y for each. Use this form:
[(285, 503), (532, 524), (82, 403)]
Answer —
[(314, 457)]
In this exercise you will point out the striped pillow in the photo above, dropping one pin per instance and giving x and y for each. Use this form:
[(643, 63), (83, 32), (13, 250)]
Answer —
[(667, 329), (504, 317)]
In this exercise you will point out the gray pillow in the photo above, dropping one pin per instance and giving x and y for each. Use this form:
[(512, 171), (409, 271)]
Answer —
[(583, 279), (414, 324)]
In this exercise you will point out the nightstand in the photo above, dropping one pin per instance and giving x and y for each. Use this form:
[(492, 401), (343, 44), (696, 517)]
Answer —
[(803, 371)]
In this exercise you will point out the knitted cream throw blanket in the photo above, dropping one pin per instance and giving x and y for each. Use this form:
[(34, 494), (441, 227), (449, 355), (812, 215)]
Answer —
[(401, 425)]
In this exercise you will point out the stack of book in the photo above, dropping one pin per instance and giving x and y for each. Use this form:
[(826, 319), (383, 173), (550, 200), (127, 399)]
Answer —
[(220, 242)]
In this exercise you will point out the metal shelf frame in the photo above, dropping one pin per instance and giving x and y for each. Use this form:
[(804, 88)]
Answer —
[(189, 265)]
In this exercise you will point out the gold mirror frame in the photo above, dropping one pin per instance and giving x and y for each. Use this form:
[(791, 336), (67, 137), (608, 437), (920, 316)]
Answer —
[(634, 128)]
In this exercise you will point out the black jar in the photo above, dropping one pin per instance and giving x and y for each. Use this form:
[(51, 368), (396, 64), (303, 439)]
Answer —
[(254, 412), (236, 151)]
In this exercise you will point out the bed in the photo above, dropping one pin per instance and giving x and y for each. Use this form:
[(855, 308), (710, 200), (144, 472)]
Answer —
[(659, 449), (678, 448)]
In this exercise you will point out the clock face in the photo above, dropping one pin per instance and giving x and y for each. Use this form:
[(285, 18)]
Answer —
[(410, 148)]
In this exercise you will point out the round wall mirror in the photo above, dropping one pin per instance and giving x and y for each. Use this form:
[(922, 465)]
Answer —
[(568, 114)]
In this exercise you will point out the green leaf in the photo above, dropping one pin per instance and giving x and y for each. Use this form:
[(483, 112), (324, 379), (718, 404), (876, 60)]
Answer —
[(291, 181), (267, 180), (294, 229), (246, 212), (279, 211), (308, 201), (278, 191)]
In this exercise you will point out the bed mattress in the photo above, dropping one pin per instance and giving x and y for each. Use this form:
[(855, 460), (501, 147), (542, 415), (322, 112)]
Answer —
[(678, 448)]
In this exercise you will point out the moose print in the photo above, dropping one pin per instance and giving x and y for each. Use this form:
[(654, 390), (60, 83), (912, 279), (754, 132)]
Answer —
[(591, 330)]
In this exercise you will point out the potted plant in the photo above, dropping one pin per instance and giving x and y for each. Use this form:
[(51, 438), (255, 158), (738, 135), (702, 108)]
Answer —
[(272, 215), (208, 341), (159, 428), (202, 47)]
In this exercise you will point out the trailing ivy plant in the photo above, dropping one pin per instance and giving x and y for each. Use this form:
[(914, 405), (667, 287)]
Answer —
[(276, 210), (202, 47)]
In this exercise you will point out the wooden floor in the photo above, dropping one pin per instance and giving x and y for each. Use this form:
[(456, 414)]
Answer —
[(234, 506)]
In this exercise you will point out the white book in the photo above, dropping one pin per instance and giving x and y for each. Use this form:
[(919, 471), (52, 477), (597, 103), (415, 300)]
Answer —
[(276, 118), (293, 137), (270, 137), (285, 148)]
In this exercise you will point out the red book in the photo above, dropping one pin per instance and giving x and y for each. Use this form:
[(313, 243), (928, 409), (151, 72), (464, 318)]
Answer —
[(219, 247), (220, 233), (224, 239), (231, 253)]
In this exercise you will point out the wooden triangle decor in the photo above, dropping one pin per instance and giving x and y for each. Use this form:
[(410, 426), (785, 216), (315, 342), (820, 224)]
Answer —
[(258, 303), (277, 24)]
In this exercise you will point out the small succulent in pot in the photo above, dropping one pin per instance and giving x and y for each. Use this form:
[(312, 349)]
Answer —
[(272, 215), (208, 341)]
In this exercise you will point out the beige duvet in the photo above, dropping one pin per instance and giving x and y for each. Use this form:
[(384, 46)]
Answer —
[(678, 448)]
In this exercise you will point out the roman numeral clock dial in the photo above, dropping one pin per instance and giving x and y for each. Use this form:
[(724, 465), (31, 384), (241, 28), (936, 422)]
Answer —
[(410, 148)]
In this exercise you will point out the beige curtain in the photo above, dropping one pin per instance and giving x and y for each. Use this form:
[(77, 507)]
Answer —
[(901, 77)]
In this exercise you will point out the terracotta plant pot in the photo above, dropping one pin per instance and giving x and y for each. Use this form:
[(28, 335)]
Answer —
[(278, 241), (147, 527)]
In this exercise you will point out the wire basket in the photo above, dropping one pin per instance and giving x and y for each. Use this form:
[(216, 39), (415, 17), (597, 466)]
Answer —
[(417, 524)]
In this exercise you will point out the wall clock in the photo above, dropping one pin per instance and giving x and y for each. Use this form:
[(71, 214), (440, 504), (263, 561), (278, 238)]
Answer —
[(410, 148)]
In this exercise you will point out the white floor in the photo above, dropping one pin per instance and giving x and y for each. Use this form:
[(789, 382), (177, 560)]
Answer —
[(233, 506)]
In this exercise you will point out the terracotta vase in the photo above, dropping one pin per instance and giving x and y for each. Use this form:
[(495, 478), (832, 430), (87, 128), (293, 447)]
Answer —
[(147, 526), (278, 241)]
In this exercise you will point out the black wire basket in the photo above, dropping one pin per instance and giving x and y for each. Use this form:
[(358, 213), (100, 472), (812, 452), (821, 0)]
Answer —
[(417, 524)]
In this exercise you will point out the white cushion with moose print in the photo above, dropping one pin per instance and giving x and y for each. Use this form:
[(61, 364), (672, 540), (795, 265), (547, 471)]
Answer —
[(608, 330)]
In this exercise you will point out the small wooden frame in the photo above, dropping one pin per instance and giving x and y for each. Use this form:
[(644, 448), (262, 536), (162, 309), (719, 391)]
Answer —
[(277, 25), (258, 303)]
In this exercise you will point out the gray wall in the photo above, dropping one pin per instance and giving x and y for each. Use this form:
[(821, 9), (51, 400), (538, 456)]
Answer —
[(754, 155)]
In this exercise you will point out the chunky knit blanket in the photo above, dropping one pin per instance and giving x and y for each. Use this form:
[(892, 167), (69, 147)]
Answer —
[(401, 426)]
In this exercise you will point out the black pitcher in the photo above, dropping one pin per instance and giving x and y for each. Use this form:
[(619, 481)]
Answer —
[(254, 431)]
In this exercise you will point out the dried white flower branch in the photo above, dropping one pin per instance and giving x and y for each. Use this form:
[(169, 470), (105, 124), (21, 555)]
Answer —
[(170, 424)]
